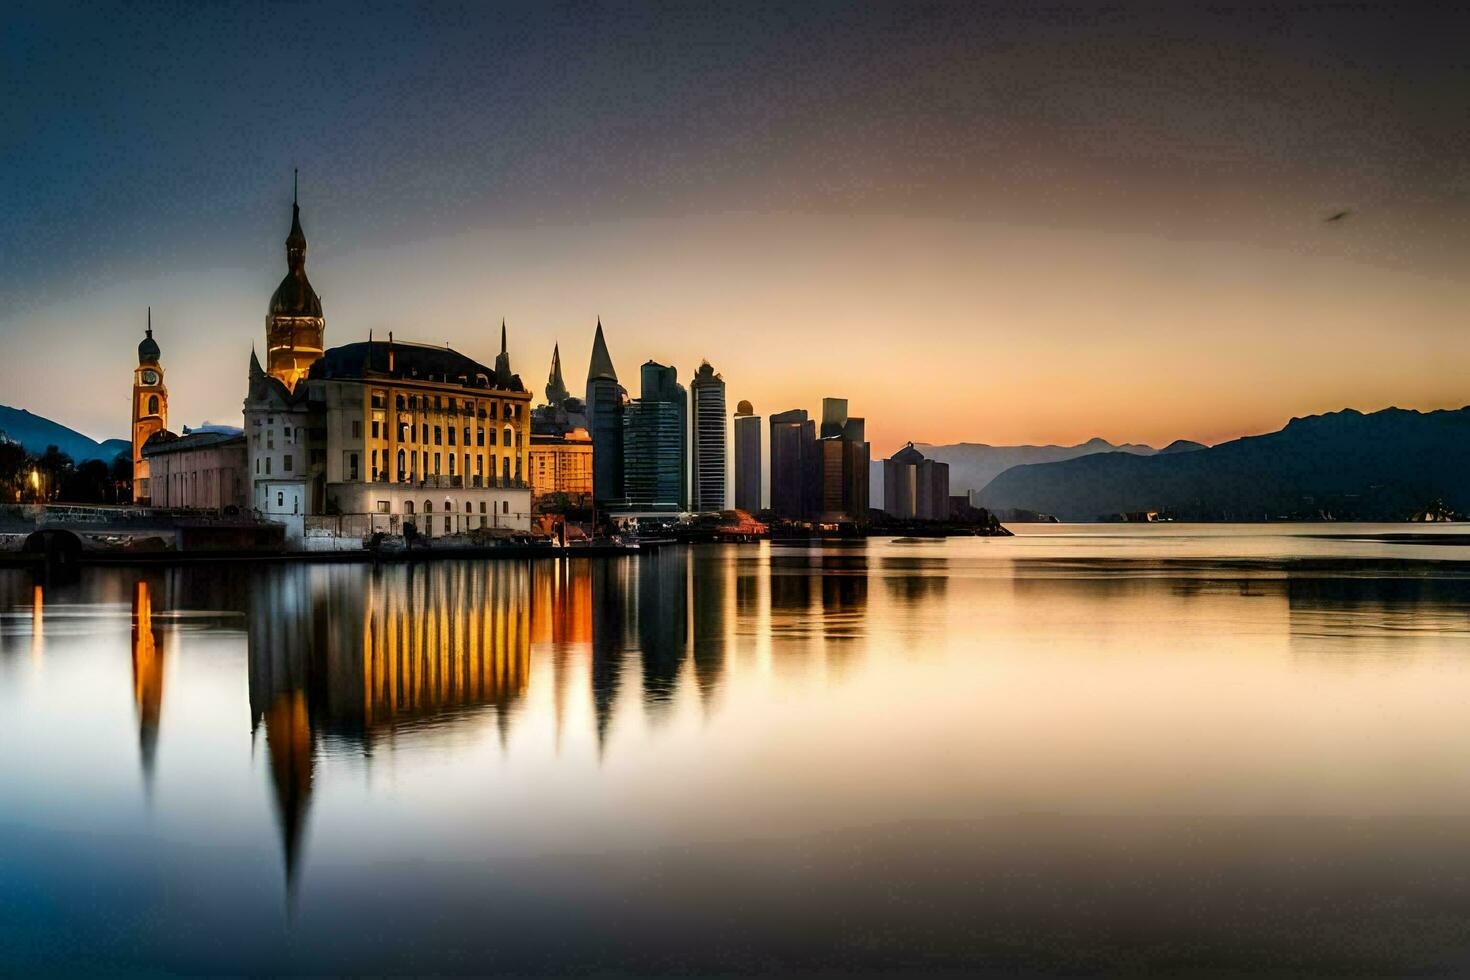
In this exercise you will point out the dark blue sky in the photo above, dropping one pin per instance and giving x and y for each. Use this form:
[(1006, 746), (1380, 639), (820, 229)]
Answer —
[(141, 138)]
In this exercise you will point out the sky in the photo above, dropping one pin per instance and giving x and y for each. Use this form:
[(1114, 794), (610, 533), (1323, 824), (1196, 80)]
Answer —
[(1002, 223)]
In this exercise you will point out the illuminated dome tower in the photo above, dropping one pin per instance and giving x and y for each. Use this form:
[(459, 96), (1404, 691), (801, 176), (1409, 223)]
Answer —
[(294, 327)]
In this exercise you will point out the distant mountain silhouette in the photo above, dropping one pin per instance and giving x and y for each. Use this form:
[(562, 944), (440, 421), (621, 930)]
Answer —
[(1390, 465), (974, 464), (36, 432), (1182, 446)]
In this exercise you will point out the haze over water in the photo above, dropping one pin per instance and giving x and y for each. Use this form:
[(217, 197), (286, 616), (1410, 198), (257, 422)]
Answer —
[(1080, 748)]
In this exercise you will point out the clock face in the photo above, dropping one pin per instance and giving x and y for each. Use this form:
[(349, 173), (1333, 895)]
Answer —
[(150, 377)]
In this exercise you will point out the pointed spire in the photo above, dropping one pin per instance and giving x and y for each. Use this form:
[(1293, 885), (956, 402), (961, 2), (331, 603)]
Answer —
[(256, 371), (602, 365), (503, 376), (149, 328), (556, 388)]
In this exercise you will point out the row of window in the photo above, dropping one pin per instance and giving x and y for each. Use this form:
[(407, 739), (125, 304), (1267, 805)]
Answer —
[(440, 403), (386, 507), (409, 433)]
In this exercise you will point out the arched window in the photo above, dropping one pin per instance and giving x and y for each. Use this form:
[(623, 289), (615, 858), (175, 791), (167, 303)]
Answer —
[(467, 508), (402, 465), (448, 507), (408, 506), (428, 506), (152, 404)]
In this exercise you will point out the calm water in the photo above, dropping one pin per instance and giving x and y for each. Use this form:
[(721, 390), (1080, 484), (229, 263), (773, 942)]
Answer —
[(1079, 749)]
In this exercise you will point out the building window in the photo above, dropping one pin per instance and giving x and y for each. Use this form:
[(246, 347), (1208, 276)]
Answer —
[(357, 428), (468, 508), (451, 435), (428, 506), (437, 470), (376, 430), (280, 499), (270, 438), (380, 398), (479, 436), (447, 520), (482, 506), (408, 506), (382, 507), (267, 466), (505, 506), (152, 404), (451, 464), (402, 458), (438, 435), (425, 438), (352, 466), (286, 463)]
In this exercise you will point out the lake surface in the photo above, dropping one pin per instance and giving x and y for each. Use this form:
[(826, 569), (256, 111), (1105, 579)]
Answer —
[(1083, 748)]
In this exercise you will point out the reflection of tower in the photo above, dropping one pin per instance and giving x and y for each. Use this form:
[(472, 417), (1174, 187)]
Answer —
[(295, 330), (278, 645), (150, 408), (147, 678), (712, 584), (561, 618), (663, 620), (292, 746), (608, 590)]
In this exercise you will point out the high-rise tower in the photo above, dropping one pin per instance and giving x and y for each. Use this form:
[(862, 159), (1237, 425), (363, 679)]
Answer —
[(150, 408), (747, 458), (605, 420), (295, 330), (707, 392)]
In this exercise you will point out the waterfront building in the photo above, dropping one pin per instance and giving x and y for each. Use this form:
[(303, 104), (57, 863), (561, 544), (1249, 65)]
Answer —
[(562, 464), (150, 408), (915, 487), (655, 438), (747, 458), (395, 432), (201, 470), (709, 465), (793, 465), (604, 408)]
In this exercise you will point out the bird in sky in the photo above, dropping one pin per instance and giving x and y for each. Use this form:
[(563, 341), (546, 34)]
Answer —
[(1336, 217)]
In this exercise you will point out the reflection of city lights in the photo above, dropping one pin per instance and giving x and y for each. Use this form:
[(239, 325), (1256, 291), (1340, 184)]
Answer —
[(35, 480)]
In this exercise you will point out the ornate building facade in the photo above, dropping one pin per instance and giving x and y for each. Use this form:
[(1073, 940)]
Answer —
[(399, 432), (150, 409)]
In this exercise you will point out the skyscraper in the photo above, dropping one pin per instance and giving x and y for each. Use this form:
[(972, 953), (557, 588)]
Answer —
[(707, 393), (605, 420), (655, 441), (844, 454), (747, 458), (794, 481)]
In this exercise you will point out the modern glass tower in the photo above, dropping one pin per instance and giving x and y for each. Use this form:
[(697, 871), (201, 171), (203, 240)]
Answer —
[(655, 443), (747, 458), (707, 392)]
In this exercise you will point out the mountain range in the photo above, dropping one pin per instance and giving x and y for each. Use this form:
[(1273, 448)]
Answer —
[(972, 465), (1390, 465), (36, 432)]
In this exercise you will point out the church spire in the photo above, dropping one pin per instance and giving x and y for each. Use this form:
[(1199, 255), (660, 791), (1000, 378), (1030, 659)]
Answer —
[(556, 388), (503, 376)]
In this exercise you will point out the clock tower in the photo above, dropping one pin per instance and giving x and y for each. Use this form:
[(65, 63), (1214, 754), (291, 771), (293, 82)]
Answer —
[(150, 408)]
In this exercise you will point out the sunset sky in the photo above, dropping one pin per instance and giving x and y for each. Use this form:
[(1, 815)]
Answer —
[(1007, 223)]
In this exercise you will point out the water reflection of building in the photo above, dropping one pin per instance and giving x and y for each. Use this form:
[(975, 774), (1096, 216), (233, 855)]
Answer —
[(147, 677), (663, 621), (343, 656)]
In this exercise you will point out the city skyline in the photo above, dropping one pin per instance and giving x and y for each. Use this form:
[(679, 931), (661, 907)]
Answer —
[(1102, 249)]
